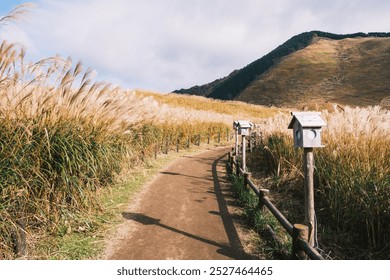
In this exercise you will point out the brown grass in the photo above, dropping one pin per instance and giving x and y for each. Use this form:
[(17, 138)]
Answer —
[(235, 109), (352, 178), (64, 136), (348, 72)]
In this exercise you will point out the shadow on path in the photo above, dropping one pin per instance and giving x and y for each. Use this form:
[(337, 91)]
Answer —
[(227, 220), (184, 175), (146, 220)]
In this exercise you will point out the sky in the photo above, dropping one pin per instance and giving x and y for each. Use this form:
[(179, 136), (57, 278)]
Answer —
[(172, 44)]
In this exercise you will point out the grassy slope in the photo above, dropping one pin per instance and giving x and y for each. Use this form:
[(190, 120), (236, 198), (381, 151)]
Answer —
[(349, 71), (234, 108)]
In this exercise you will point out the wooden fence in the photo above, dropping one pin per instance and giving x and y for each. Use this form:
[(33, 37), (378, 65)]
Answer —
[(168, 145), (301, 249)]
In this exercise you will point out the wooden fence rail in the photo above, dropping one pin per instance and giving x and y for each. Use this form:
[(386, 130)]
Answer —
[(167, 145), (301, 249)]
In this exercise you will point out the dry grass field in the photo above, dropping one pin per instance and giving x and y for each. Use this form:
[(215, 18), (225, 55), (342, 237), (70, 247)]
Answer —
[(349, 72), (64, 136), (352, 179), (236, 109)]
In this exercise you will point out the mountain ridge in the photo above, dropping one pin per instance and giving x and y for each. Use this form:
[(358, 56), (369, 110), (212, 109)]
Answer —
[(238, 82)]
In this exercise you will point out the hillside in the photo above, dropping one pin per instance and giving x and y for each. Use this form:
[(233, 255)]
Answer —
[(229, 110), (347, 69)]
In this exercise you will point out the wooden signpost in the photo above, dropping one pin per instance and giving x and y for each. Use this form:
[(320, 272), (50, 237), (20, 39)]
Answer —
[(235, 127), (307, 128), (243, 153), (242, 128)]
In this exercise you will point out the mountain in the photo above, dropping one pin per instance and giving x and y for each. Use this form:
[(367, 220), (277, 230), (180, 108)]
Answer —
[(352, 69)]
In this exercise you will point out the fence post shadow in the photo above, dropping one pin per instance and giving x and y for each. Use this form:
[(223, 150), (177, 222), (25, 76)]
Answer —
[(227, 220)]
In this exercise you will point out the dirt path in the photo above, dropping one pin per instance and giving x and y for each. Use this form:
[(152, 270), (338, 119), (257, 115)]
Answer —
[(181, 214)]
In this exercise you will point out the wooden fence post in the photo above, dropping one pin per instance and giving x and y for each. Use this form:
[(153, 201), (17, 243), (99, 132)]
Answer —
[(299, 231), (263, 193), (208, 138), (230, 156), (243, 154), (247, 177), (261, 140), (177, 144), (250, 143), (219, 137), (308, 167), (19, 237), (236, 143)]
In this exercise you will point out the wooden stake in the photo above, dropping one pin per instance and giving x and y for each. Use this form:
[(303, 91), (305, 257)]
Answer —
[(19, 238), (250, 142), (308, 167), (232, 159), (243, 154), (263, 195), (299, 231), (247, 177), (236, 143)]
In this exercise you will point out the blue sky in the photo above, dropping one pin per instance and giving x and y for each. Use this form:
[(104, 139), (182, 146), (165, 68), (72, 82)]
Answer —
[(172, 44), (7, 5)]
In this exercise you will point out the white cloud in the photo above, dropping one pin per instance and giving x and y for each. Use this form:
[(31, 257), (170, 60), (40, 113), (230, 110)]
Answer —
[(164, 45)]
